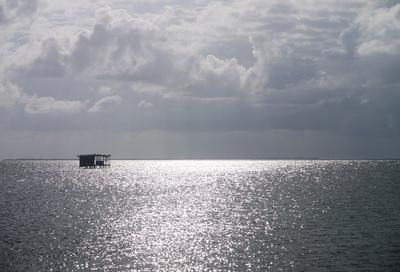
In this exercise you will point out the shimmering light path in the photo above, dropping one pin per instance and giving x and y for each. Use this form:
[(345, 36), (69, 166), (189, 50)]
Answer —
[(200, 216)]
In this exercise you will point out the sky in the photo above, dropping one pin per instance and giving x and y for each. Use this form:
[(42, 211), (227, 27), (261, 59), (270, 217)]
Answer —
[(240, 79)]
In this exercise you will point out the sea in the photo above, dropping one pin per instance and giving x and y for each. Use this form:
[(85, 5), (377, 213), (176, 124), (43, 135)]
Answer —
[(200, 215)]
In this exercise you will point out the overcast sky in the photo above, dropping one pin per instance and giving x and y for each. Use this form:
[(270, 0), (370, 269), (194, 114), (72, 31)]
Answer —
[(200, 79)]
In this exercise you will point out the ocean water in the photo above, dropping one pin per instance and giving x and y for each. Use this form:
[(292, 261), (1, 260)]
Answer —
[(200, 216)]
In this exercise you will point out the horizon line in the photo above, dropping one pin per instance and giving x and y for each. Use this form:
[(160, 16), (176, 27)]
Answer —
[(219, 158)]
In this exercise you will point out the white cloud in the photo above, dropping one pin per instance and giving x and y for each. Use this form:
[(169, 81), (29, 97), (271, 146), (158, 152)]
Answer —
[(126, 47), (106, 104), (214, 77), (45, 105), (379, 31), (143, 104), (12, 95)]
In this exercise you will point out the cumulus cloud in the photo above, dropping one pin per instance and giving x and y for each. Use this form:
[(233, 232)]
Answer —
[(120, 47), (375, 31), (50, 63), (124, 47), (214, 77), (379, 31), (11, 10)]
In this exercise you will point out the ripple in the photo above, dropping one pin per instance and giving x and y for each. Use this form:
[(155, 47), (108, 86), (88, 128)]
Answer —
[(200, 216)]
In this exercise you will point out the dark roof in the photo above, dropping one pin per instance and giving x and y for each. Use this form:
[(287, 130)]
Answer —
[(103, 155)]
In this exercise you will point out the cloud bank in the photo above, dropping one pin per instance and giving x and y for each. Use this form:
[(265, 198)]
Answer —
[(326, 69)]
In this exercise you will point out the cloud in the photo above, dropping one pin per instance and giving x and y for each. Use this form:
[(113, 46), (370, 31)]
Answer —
[(119, 47), (124, 47), (51, 62), (9, 93), (143, 104), (379, 31), (41, 105), (106, 104), (375, 31), (12, 10), (213, 77), (216, 65), (12, 95)]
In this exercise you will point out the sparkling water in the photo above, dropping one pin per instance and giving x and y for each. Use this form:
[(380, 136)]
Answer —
[(200, 216)]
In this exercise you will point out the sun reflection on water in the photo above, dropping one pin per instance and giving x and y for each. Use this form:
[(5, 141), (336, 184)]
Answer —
[(186, 215), (191, 214)]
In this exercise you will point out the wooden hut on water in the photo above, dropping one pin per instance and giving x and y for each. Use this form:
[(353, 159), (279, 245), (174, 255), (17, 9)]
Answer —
[(94, 160)]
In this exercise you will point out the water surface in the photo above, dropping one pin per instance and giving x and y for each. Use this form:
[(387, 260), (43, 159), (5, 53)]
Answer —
[(200, 216)]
